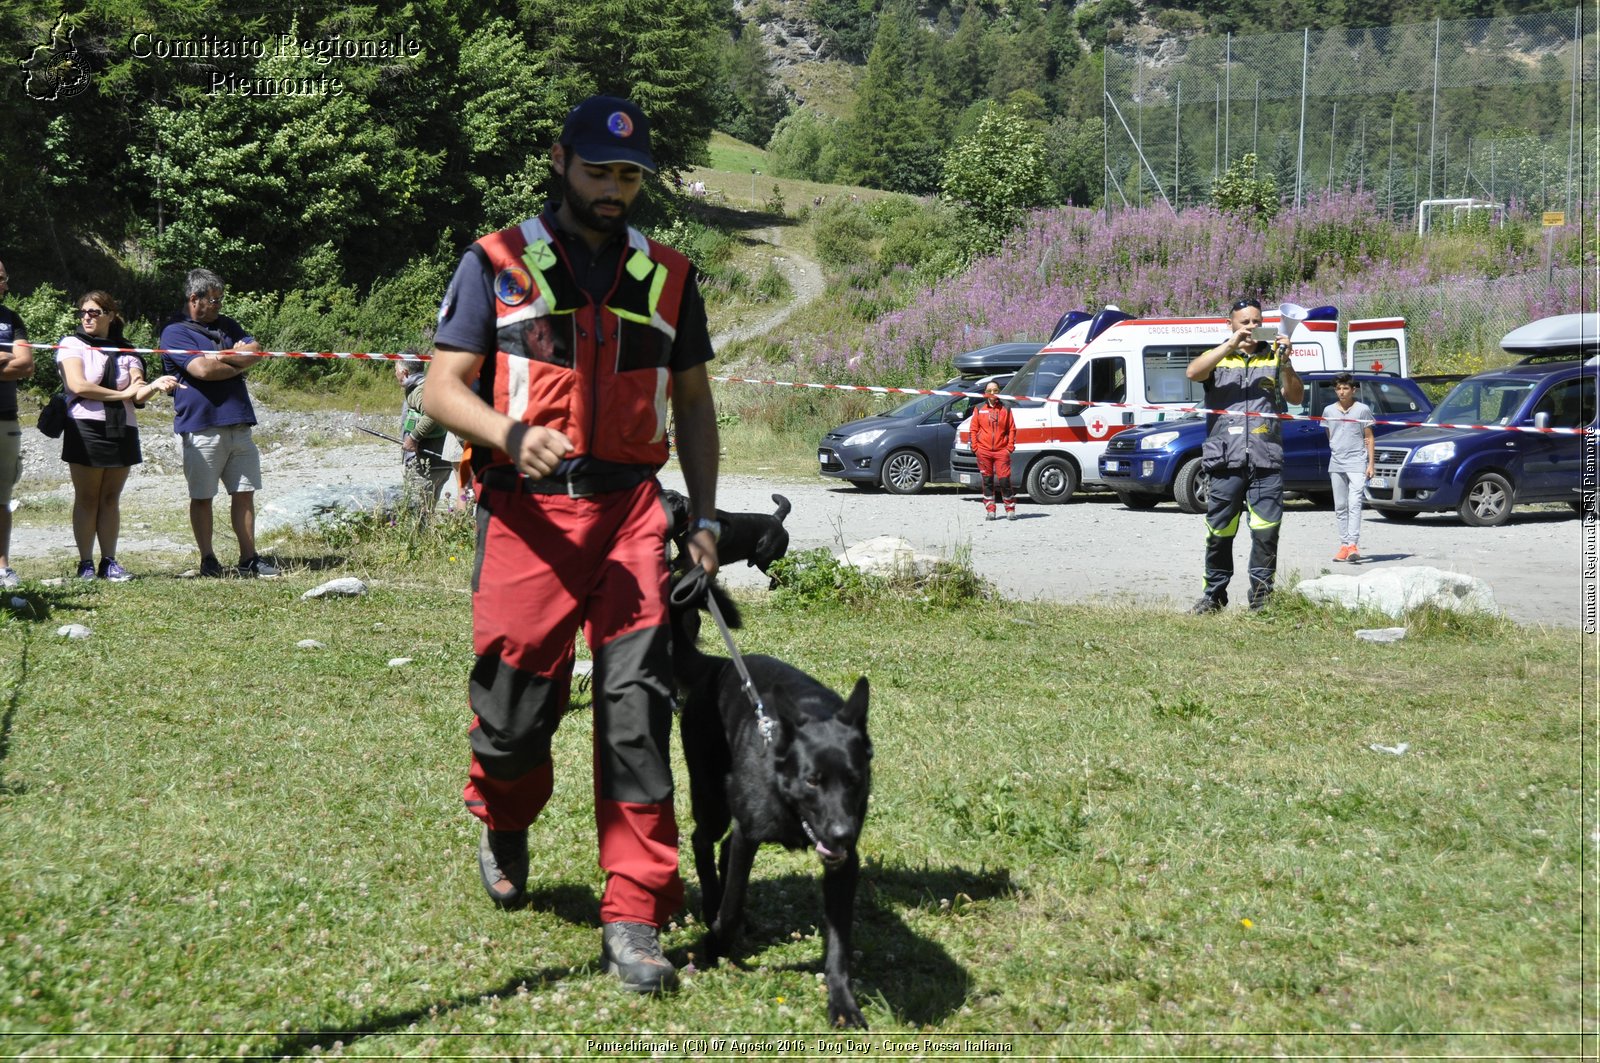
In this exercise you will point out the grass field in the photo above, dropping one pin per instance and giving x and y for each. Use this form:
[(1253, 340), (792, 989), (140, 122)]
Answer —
[(1094, 832)]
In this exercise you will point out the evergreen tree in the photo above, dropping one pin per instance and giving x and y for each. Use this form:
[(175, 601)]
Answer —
[(894, 137)]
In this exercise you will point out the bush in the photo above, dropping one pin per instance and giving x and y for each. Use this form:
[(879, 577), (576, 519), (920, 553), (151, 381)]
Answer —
[(843, 235), (815, 577)]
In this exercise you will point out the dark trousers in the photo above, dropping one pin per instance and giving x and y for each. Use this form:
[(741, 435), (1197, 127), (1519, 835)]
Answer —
[(1235, 492)]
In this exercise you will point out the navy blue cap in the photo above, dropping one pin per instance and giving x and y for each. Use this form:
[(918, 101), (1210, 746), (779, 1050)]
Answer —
[(605, 129)]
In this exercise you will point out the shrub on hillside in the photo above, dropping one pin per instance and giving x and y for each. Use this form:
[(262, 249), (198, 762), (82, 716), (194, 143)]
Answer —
[(844, 235)]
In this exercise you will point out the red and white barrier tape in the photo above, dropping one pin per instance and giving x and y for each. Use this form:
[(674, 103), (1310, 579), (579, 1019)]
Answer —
[(376, 356)]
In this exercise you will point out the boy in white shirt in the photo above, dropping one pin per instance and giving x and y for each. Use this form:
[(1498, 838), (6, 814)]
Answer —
[(1350, 462)]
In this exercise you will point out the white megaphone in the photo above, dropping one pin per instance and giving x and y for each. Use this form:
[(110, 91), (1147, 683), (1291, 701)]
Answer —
[(1289, 317)]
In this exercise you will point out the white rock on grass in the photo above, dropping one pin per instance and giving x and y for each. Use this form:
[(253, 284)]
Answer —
[(888, 555), (1381, 634), (399, 662), (1397, 591), (73, 631), (309, 644), (345, 586)]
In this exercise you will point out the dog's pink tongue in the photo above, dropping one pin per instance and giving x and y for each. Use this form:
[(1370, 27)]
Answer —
[(827, 854)]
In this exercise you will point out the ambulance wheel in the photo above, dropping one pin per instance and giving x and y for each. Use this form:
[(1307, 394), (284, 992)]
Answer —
[(905, 472), (1192, 487), (1138, 499), (1052, 480)]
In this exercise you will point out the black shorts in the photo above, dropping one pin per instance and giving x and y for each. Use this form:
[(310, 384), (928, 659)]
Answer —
[(86, 443)]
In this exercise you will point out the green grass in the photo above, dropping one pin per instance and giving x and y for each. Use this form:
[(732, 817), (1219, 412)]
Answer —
[(735, 155), (1093, 830)]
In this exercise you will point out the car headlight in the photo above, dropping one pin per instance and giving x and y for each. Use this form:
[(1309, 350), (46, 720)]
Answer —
[(1433, 454), (861, 439), (1157, 441)]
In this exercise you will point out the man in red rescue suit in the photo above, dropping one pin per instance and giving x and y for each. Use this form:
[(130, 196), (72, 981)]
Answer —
[(579, 331), (994, 437)]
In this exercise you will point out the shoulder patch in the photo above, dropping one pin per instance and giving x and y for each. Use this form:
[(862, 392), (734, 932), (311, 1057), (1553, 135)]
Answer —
[(512, 285)]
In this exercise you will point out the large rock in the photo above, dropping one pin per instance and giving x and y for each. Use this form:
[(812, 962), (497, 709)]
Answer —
[(307, 508), (888, 555), (1397, 591)]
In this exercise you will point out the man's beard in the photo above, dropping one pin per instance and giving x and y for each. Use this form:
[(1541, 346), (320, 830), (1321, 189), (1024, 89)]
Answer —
[(583, 210)]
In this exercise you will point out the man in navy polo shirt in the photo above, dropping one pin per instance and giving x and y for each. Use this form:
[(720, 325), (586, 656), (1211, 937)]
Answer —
[(16, 363), (213, 416)]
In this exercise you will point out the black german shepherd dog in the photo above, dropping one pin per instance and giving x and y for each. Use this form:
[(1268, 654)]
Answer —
[(800, 778), (758, 539)]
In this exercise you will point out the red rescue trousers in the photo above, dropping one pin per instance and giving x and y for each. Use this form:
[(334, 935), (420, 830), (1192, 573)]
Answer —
[(546, 565), (994, 467)]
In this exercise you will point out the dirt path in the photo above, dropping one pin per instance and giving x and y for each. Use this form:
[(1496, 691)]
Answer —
[(804, 277)]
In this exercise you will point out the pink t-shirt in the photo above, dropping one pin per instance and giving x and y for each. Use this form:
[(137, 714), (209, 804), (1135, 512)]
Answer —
[(94, 367)]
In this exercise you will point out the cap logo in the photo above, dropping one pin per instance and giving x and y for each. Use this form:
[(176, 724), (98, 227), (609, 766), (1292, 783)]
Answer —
[(620, 124)]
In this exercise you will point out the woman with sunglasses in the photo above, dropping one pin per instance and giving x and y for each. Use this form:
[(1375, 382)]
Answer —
[(101, 442)]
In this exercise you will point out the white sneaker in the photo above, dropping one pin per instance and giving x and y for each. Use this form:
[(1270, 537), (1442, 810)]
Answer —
[(8, 578)]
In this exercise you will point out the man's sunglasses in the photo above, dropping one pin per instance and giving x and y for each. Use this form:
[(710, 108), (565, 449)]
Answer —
[(1253, 304)]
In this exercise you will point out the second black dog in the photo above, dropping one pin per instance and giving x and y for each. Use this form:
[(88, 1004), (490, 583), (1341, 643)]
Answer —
[(756, 538), (801, 779)]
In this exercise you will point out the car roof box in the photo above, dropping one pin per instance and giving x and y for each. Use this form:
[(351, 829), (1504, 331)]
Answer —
[(995, 358), (1564, 334)]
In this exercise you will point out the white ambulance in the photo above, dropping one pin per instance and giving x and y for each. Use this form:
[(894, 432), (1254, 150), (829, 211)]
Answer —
[(1109, 371)]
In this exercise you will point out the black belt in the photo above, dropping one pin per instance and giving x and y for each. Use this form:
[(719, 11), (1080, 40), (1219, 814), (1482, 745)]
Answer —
[(577, 485)]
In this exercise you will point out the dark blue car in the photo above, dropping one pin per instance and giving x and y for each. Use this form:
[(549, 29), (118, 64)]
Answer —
[(1159, 462), (1482, 475)]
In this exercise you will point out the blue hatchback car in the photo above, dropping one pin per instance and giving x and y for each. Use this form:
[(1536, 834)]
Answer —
[(1154, 463), (908, 448)]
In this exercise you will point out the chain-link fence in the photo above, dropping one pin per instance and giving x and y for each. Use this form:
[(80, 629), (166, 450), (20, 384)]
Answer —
[(1498, 111)]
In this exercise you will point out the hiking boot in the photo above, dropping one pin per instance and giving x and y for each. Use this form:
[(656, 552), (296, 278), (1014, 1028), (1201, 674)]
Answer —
[(1011, 514), (503, 865), (113, 572), (257, 566), (1209, 604), (632, 952), (8, 578), (86, 569), (210, 567), (1344, 553), (989, 514), (1258, 602)]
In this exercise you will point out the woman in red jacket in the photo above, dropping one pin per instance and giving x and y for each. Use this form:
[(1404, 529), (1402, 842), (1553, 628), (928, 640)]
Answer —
[(994, 437)]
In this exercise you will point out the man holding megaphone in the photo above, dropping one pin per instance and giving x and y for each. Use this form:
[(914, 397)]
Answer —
[(1247, 375)]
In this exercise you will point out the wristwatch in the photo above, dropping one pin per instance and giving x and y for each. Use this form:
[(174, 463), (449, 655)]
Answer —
[(706, 523)]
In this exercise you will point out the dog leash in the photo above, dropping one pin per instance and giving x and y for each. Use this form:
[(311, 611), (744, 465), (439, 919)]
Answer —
[(691, 588)]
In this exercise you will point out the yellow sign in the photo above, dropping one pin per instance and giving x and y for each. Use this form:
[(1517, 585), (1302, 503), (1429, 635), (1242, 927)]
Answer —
[(1555, 217)]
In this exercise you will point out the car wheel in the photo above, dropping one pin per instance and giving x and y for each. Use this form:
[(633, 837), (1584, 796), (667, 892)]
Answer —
[(1192, 488), (905, 472), (1052, 480), (1399, 516), (1138, 499), (1487, 503)]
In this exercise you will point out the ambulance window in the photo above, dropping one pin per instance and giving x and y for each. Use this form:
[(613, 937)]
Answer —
[(1377, 355), (1164, 378), (1039, 377)]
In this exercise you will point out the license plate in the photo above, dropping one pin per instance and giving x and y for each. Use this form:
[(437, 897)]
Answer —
[(822, 457), (969, 478), (1378, 481), (1113, 466)]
